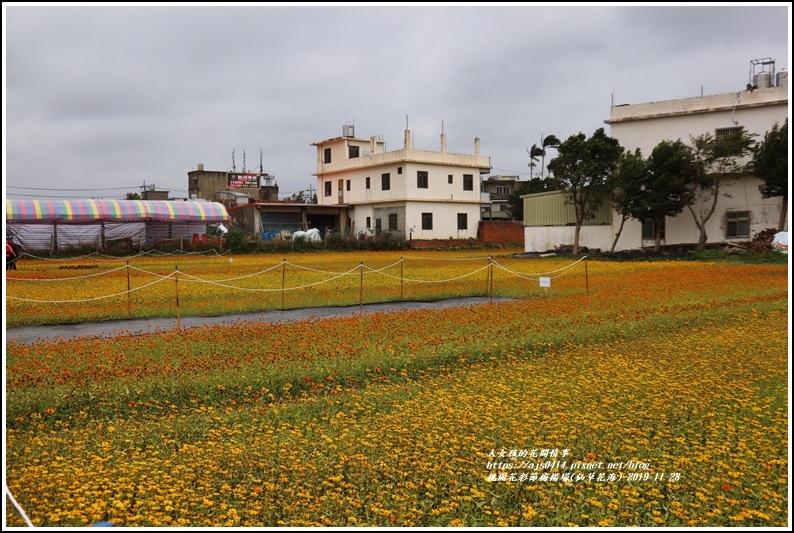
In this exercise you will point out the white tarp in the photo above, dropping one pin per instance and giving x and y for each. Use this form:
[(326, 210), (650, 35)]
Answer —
[(780, 242)]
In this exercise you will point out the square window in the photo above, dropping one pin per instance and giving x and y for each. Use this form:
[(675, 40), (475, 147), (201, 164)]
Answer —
[(399, 170), (737, 224), (427, 220), (421, 179), (352, 152)]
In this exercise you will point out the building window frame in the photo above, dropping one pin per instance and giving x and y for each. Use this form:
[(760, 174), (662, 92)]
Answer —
[(385, 181), (327, 155), (737, 224), (649, 230), (468, 182), (463, 221), (393, 220), (449, 179), (427, 221), (422, 179), (353, 152), (328, 188)]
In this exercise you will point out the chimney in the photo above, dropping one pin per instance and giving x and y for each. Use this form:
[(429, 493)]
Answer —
[(443, 143), (408, 144), (476, 146)]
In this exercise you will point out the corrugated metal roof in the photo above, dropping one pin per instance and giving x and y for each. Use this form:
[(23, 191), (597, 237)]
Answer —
[(551, 209)]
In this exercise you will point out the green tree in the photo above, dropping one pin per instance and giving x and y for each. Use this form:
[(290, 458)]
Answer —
[(660, 189), (132, 196), (770, 164), (584, 168), (631, 170), (515, 204), (717, 161)]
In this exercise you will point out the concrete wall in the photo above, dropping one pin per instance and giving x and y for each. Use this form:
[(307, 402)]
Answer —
[(542, 239)]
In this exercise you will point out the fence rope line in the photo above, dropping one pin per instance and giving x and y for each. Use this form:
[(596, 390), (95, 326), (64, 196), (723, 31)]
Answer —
[(430, 280), (383, 268), (189, 278), (69, 278), (90, 299), (17, 506), (419, 258), (152, 273), (199, 280), (211, 282), (559, 271)]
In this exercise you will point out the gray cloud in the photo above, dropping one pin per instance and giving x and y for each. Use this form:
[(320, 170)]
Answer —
[(109, 96)]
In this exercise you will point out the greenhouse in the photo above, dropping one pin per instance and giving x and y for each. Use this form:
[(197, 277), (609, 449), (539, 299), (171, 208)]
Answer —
[(53, 225)]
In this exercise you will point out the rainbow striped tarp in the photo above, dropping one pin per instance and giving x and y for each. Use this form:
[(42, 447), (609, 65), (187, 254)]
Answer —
[(114, 210)]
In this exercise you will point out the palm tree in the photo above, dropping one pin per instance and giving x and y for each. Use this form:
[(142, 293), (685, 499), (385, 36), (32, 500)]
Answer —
[(533, 152), (551, 141)]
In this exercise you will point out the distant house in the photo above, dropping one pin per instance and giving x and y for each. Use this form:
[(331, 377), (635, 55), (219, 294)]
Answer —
[(741, 211), (413, 194), (231, 188), (498, 189)]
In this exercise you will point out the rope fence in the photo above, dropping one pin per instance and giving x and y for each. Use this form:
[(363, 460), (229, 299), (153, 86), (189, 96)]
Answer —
[(298, 275)]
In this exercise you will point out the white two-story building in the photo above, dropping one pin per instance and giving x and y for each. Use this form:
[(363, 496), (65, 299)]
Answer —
[(741, 212), (413, 194)]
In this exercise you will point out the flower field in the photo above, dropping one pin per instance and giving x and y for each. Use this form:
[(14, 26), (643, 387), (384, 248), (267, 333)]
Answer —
[(641, 394), (91, 288)]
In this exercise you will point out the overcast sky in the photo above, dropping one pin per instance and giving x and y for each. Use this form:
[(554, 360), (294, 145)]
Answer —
[(99, 100)]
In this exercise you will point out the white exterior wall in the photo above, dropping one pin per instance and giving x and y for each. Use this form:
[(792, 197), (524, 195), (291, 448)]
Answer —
[(445, 220), (445, 200), (546, 238), (644, 126)]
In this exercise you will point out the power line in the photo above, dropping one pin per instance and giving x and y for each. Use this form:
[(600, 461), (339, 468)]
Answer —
[(48, 195), (67, 190)]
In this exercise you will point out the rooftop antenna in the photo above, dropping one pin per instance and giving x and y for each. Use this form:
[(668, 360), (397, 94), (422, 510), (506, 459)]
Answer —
[(243, 161), (234, 168), (261, 168)]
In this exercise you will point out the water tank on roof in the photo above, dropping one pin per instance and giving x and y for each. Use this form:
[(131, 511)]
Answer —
[(762, 80), (348, 130), (782, 78)]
